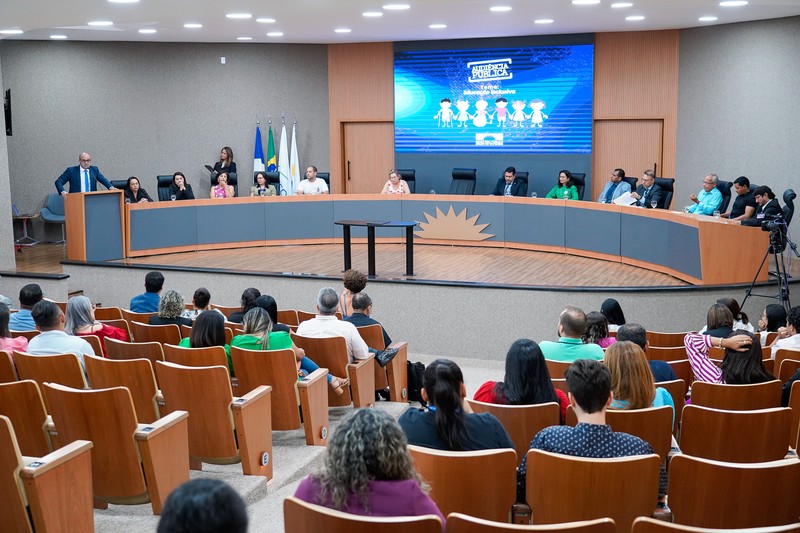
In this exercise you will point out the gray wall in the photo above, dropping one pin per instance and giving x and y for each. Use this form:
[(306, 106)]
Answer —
[(738, 110), (143, 109), (7, 260)]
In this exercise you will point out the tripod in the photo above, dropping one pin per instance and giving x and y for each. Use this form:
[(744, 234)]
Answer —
[(777, 244)]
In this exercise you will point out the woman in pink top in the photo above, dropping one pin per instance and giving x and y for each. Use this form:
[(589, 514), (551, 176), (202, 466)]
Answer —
[(597, 330), (222, 189), (368, 471), (396, 184), (7, 342)]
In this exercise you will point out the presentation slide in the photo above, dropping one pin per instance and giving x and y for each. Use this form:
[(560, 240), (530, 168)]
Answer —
[(535, 99)]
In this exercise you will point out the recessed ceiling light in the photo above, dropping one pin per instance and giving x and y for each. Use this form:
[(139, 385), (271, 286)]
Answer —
[(342, 30), (371, 14), (634, 18), (618, 5), (396, 7), (733, 3), (585, 2), (239, 16), (275, 34), (101, 23), (192, 25), (543, 21), (11, 32), (123, 1), (437, 26), (500, 9), (265, 20), (147, 30), (244, 38), (707, 19), (58, 36)]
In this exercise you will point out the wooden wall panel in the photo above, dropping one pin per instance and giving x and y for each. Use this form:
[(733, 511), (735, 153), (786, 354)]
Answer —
[(360, 88), (640, 140), (636, 77)]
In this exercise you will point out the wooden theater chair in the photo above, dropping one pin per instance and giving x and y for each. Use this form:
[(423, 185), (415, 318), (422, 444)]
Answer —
[(131, 463), (737, 397), (794, 403), (64, 369), (107, 313), (27, 334), (121, 350), (226, 309), (166, 334), (120, 323), (557, 369), (134, 374), (8, 372), (22, 403), (462, 523), (481, 483), (651, 525), (302, 517), (211, 356), (666, 353), (666, 340), (288, 317), (223, 429), (395, 374), (677, 390), (131, 316), (94, 342), (48, 493)]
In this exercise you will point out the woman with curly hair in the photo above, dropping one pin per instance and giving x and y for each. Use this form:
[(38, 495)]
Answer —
[(368, 471), (170, 307), (354, 282), (597, 330)]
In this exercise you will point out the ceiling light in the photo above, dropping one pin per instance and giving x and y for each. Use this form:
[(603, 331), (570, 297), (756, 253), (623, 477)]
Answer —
[(238, 16), (275, 34), (396, 7), (265, 20), (500, 9), (543, 21), (618, 5), (733, 3), (101, 23), (192, 25), (437, 26), (244, 38), (147, 30), (11, 32), (634, 18), (707, 19), (123, 1), (342, 30), (58, 36), (585, 2), (371, 14)]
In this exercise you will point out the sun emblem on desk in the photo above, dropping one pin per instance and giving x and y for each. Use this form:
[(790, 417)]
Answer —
[(452, 226)]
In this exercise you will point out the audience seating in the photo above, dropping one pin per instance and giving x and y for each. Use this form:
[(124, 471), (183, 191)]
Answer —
[(794, 403), (522, 422), (302, 316), (771, 336), (788, 368), (62, 368), (724, 187), (736, 436), (660, 339), (561, 488), (120, 323), (288, 317), (714, 494), (651, 525), (195, 357), (121, 350), (560, 383), (167, 334), (8, 372), (668, 354), (667, 189), (226, 310), (94, 342), (224, 429), (373, 337), (557, 369), (22, 403), (163, 181), (737, 397), (331, 353), (481, 483), (302, 517), (53, 213), (677, 389), (395, 374), (683, 369), (130, 316), (579, 180), (781, 355), (278, 369), (131, 463), (410, 177), (27, 334), (48, 493), (462, 523), (107, 313), (464, 180), (134, 374)]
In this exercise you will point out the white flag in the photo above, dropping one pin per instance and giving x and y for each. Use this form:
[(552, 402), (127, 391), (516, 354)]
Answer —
[(283, 163), (294, 161)]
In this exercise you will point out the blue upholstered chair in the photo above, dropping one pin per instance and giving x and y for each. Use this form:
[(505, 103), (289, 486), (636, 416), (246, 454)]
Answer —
[(53, 212)]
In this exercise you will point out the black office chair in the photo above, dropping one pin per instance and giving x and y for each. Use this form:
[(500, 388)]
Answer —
[(119, 184), (463, 181), (631, 181), (163, 182), (326, 177), (410, 175), (524, 177), (724, 187), (788, 205), (579, 180), (232, 181), (667, 186)]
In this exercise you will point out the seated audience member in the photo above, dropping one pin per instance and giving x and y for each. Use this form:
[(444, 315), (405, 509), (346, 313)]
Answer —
[(80, 322), (7, 301), (170, 308), (7, 342), (744, 205), (378, 480), (708, 199), (788, 336), (614, 188), (325, 324), (509, 184), (180, 188), (395, 184), (636, 334), (259, 335), (203, 506), (648, 192), (597, 330), (362, 309), (354, 282), (768, 207), (741, 364), (268, 303), (449, 424), (148, 301), (590, 395), (564, 189), (526, 382), (201, 302), (312, 184), (262, 186), (53, 339), (22, 320), (570, 346), (248, 302), (719, 321), (773, 319), (134, 193), (740, 320), (222, 189), (613, 313), (208, 330), (632, 381)]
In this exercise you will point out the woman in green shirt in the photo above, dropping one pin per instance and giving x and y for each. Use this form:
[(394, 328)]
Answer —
[(208, 330), (565, 188), (258, 335)]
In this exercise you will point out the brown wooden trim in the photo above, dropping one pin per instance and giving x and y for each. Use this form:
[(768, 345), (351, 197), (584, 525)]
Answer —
[(75, 217)]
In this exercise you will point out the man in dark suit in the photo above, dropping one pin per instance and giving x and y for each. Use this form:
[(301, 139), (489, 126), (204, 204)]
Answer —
[(81, 178), (509, 184), (648, 191), (768, 207)]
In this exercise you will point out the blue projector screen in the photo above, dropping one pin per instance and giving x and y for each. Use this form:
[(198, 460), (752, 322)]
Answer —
[(535, 99)]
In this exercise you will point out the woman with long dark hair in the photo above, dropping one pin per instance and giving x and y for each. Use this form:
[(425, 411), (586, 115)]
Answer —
[(564, 188), (597, 330), (248, 301), (208, 330), (741, 364), (448, 424), (613, 313)]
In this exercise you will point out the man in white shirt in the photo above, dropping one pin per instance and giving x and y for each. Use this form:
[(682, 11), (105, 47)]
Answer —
[(325, 324), (788, 337), (53, 339), (312, 185)]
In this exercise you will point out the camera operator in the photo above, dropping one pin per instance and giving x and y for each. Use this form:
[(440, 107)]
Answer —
[(768, 207)]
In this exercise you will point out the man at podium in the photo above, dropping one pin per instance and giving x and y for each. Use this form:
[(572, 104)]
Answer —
[(82, 178)]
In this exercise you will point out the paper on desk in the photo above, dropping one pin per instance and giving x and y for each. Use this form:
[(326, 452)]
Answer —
[(625, 199)]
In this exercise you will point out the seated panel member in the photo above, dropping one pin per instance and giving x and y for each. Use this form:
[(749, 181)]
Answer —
[(564, 189), (81, 178), (614, 188), (134, 193), (509, 184), (180, 188), (222, 189), (744, 206), (395, 184), (312, 185), (648, 191), (708, 199), (262, 187), (768, 207)]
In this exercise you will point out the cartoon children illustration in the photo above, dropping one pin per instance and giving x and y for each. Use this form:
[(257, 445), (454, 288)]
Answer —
[(501, 111), (462, 116), (479, 118), (445, 114), (537, 117), (519, 113)]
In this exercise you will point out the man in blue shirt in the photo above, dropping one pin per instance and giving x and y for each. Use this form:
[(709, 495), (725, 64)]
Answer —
[(148, 302), (614, 188), (22, 320), (708, 199)]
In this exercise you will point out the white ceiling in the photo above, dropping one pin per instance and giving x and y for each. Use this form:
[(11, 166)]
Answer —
[(314, 21)]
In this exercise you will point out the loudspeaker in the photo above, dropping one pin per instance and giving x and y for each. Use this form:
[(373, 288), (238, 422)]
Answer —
[(7, 108)]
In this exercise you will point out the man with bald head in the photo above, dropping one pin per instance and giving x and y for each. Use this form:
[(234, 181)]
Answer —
[(570, 347), (81, 178)]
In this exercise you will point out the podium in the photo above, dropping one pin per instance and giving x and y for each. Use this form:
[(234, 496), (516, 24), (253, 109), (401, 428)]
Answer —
[(94, 223)]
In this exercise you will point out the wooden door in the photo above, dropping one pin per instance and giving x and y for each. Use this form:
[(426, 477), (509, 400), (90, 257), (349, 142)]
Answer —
[(368, 154), (631, 144)]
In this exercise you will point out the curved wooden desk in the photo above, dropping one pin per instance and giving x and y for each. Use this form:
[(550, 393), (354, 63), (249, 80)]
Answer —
[(696, 249)]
